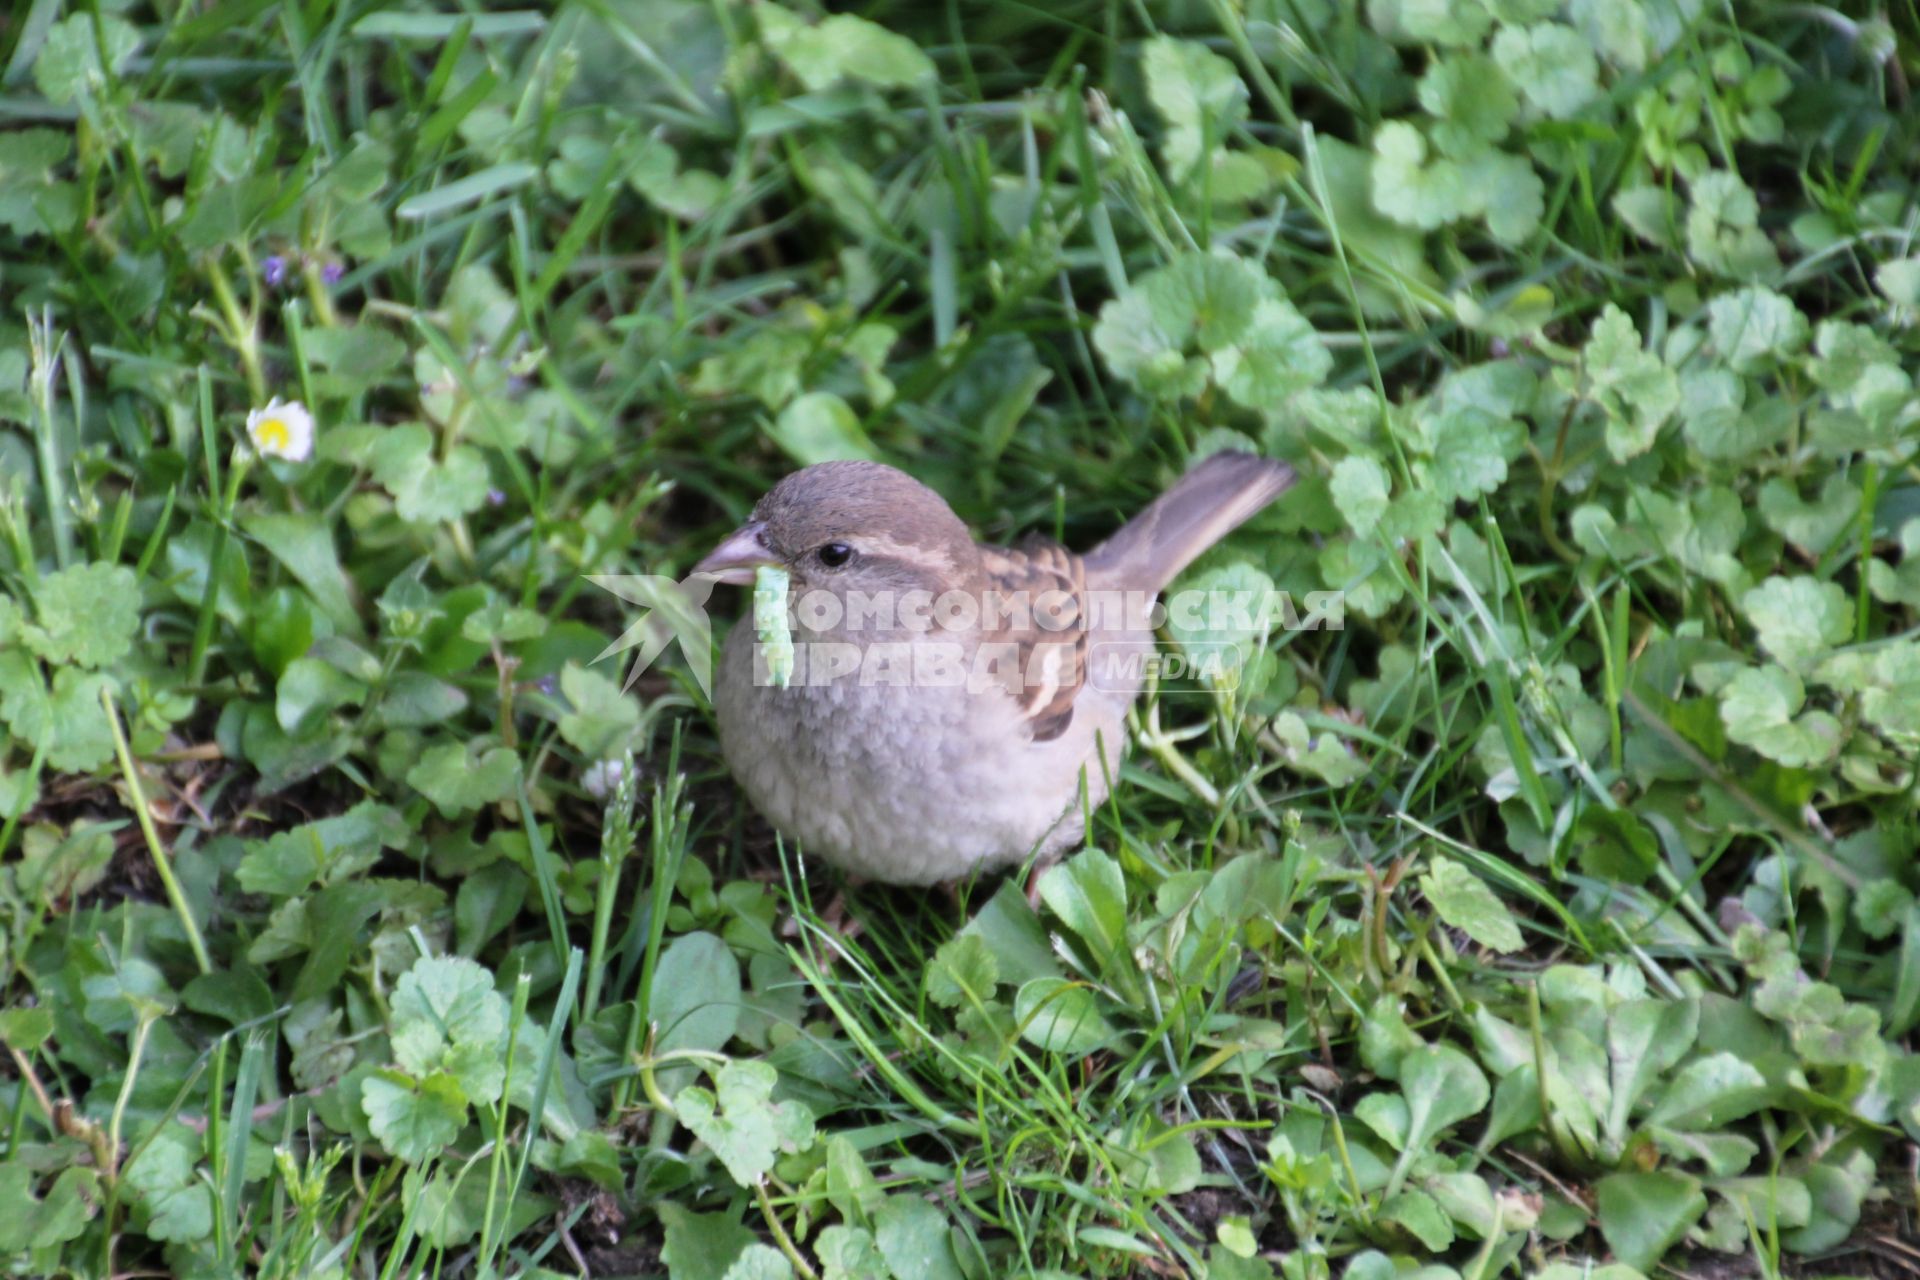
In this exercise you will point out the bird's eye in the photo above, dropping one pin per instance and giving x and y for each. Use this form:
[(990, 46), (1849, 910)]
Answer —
[(834, 554)]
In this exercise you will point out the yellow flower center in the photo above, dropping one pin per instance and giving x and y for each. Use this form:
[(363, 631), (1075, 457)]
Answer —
[(273, 433)]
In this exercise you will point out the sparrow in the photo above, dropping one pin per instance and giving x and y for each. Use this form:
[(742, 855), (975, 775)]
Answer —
[(921, 740)]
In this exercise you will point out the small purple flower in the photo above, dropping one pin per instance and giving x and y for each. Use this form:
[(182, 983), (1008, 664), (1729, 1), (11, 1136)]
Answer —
[(332, 272), (274, 270), (496, 497)]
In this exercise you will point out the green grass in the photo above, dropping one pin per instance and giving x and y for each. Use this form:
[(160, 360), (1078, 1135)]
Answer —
[(1556, 910)]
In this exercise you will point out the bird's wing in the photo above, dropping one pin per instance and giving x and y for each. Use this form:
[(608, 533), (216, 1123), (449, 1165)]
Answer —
[(1202, 507), (1036, 608)]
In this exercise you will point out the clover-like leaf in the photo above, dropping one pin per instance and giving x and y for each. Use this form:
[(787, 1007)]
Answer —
[(1899, 280), (1901, 584), (843, 47), (1552, 65), (1360, 570), (1321, 756), (759, 1262), (71, 63), (1880, 908), (68, 718), (1723, 228), (1472, 98), (1798, 619), (1812, 526), (1653, 212), (601, 714), (1219, 617), (1635, 387), (459, 779), (686, 193), (34, 199), (29, 1221), (1278, 355), (1206, 301), (1360, 489), (1210, 315), (1199, 96), (1760, 708), (446, 1016), (962, 971), (1137, 346), (1852, 358), (449, 1209), (177, 1206), (426, 489), (1887, 682), (1754, 326), (1449, 25), (740, 1122), (849, 1253), (915, 1238), (1471, 448), (502, 623), (1409, 189), (414, 1119), (1503, 188), (85, 615), (284, 864)]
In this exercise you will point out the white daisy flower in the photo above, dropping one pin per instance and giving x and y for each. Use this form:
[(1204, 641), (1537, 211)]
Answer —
[(282, 430)]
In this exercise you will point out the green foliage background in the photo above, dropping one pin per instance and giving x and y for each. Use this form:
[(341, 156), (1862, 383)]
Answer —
[(1558, 910)]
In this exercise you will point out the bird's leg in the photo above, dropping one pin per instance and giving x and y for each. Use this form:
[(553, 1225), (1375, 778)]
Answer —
[(834, 917), (837, 920), (1041, 865)]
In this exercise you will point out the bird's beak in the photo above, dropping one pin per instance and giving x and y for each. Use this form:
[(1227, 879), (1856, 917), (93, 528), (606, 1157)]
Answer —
[(735, 559)]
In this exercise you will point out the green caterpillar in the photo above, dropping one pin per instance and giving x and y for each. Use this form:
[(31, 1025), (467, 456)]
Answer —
[(770, 623)]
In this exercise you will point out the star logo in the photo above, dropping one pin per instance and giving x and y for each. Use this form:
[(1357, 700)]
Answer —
[(675, 611)]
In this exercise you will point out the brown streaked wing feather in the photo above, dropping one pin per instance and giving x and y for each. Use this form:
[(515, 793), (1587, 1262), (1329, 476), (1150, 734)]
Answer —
[(1031, 570)]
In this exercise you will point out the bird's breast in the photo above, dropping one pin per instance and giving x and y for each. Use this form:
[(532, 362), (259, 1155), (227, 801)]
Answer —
[(900, 779)]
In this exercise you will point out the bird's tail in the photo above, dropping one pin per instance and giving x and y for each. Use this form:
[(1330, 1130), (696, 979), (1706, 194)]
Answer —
[(1205, 505)]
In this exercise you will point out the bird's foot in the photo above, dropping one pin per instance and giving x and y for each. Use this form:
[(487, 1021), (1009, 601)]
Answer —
[(836, 919), (1041, 865)]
